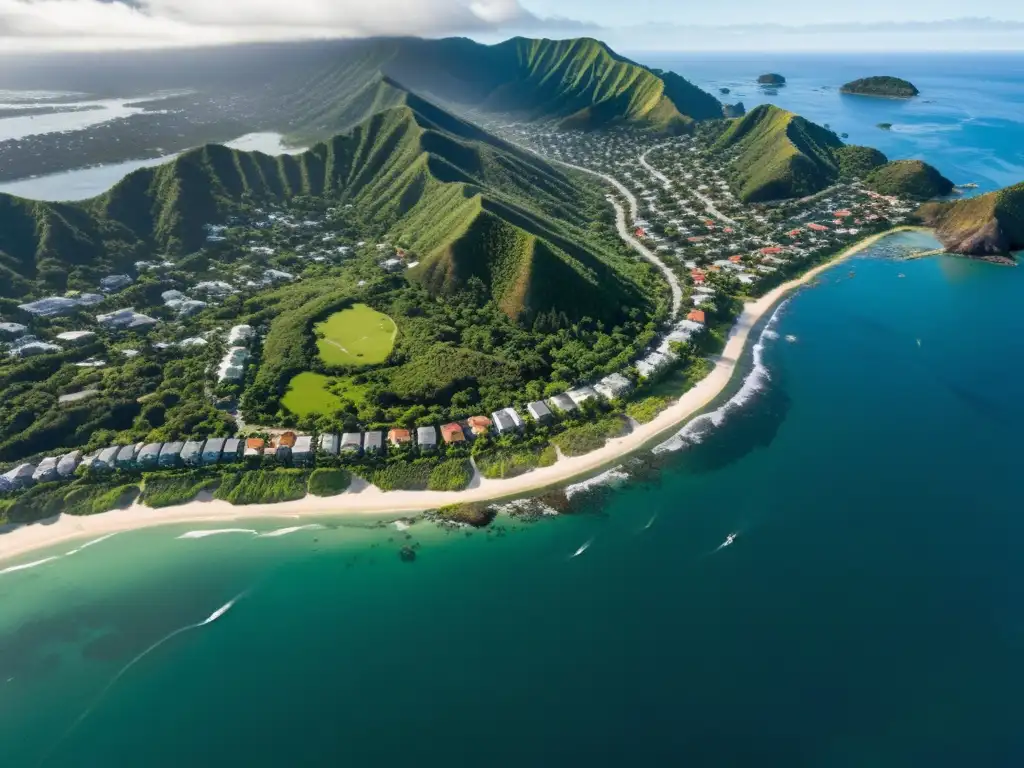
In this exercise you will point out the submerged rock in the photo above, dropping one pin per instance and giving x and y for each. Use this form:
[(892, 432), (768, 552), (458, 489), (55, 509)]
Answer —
[(407, 554)]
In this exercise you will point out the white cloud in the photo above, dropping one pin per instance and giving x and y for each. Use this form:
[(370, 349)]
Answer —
[(90, 24)]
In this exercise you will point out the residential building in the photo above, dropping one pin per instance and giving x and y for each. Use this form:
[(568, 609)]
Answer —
[(696, 316), (240, 335), (582, 394), (329, 444), (126, 456), (76, 337), (68, 463), (452, 433), (254, 446), (503, 422), (479, 425), (539, 412), (46, 472), (149, 456), (20, 476), (192, 453), (106, 460), (12, 330), (613, 387), (126, 319), (399, 437), (426, 438), (351, 442), (373, 442), (112, 283), (563, 403), (302, 451), (212, 450), (233, 448), (286, 439), (170, 454)]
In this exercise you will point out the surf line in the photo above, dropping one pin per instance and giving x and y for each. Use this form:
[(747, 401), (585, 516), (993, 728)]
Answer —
[(167, 638)]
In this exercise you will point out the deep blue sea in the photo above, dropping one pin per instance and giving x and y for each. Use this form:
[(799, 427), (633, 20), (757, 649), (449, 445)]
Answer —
[(867, 613)]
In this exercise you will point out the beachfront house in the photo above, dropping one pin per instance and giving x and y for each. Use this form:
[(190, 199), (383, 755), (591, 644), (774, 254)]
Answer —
[(373, 442), (351, 442), (426, 438), (170, 454), (253, 446), (452, 434), (149, 456), (192, 453), (399, 437), (539, 412), (125, 458), (76, 337), (580, 395), (696, 316), (302, 451), (479, 425), (503, 421), (613, 387), (233, 448), (68, 464), (19, 477), (46, 472), (212, 450), (562, 403), (106, 459), (329, 444)]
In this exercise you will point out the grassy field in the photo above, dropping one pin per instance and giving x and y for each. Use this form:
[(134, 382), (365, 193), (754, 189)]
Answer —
[(307, 394), (358, 335)]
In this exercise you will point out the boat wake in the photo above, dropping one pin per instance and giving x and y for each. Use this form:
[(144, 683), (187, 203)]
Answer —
[(167, 638), (728, 541), (219, 532), (649, 523), (697, 429), (293, 529), (582, 549)]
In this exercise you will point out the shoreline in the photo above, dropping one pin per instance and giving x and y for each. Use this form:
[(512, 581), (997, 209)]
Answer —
[(374, 502)]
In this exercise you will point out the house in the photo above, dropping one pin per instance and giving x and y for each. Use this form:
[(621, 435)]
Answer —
[(452, 433), (399, 437), (286, 440), (76, 337), (170, 454), (698, 279), (12, 330), (329, 444), (479, 425), (232, 365), (19, 477), (51, 306), (651, 364), (125, 319), (581, 395), (270, 453), (112, 283), (613, 387), (696, 316), (149, 456), (373, 442), (240, 335), (233, 448), (68, 463), (539, 412), (254, 446), (125, 458), (818, 227), (426, 438), (773, 251), (46, 472), (212, 450), (33, 348), (107, 459), (503, 422), (351, 442), (302, 451), (192, 453), (562, 403)]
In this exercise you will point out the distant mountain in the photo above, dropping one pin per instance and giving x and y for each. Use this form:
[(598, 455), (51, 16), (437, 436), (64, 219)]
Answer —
[(909, 178), (469, 204), (987, 226), (777, 155)]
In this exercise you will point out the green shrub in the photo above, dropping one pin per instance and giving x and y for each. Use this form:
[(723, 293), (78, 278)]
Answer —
[(504, 462), (263, 486), (451, 475), (329, 482), (404, 476), (645, 410), (95, 498), (590, 436), (163, 489)]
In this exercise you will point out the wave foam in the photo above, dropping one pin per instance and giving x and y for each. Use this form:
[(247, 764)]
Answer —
[(218, 532), (91, 543), (26, 566), (696, 430), (293, 529), (613, 477), (402, 526)]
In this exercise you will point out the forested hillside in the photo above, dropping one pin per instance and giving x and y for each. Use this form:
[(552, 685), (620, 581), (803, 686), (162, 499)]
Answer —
[(987, 225)]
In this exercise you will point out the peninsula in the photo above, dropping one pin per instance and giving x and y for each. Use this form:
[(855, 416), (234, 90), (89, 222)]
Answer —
[(989, 226), (883, 86)]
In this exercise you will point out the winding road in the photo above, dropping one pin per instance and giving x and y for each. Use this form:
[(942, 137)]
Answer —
[(709, 205)]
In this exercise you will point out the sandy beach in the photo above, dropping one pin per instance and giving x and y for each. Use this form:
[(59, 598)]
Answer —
[(371, 501)]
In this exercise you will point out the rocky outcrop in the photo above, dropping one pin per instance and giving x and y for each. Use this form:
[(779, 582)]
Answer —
[(989, 226)]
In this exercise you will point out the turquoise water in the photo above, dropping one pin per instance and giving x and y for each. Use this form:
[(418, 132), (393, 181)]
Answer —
[(866, 614)]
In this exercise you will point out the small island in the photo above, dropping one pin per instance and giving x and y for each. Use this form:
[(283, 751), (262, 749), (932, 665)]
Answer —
[(724, 91), (771, 78), (882, 86), (885, 126)]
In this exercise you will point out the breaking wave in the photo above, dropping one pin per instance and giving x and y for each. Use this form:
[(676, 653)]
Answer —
[(293, 529), (218, 532), (526, 508), (612, 477), (697, 429), (91, 543), (26, 566)]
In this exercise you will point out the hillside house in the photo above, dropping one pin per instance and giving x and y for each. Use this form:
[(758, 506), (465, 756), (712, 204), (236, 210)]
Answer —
[(302, 451), (539, 412), (562, 403), (613, 387), (329, 444), (373, 442), (479, 425), (212, 450), (351, 442), (254, 446), (69, 463), (426, 438), (452, 434), (192, 453), (149, 456), (46, 472), (170, 454), (399, 437)]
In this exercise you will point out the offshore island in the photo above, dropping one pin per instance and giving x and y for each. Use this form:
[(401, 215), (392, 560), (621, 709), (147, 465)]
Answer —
[(437, 304), (884, 86)]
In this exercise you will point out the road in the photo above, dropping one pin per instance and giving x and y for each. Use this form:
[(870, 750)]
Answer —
[(709, 205)]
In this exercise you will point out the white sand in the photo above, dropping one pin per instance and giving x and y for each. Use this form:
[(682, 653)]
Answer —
[(368, 500)]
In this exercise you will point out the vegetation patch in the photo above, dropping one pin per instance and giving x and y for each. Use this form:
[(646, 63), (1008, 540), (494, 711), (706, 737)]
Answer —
[(329, 482), (265, 486), (645, 410), (476, 515), (450, 475), (358, 335), (589, 436), (502, 463), (404, 476), (308, 394), (96, 498), (162, 489)]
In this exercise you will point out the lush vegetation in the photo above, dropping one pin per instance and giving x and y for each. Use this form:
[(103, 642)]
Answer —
[(501, 462), (891, 87), (327, 481), (909, 178), (357, 335), (263, 486), (85, 496), (308, 393), (450, 475), (589, 436), (856, 162), (476, 515), (401, 475), (646, 409), (168, 489), (778, 155), (987, 225)]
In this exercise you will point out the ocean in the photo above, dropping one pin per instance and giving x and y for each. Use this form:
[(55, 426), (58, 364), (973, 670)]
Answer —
[(867, 611)]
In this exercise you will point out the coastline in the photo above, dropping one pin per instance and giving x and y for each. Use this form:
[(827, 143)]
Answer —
[(374, 502)]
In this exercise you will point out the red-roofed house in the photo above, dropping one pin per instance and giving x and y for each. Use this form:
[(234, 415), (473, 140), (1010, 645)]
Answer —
[(794, 232), (728, 230), (735, 259), (773, 251), (818, 227), (640, 232), (452, 433), (696, 315), (842, 214)]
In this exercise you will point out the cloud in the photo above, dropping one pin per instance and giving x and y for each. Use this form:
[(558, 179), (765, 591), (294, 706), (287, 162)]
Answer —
[(91, 24)]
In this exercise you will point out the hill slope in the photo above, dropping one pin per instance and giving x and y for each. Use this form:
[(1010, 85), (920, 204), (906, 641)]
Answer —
[(989, 225), (778, 155), (909, 178), (470, 204)]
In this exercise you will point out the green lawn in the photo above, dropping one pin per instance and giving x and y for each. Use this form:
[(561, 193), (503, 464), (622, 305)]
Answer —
[(358, 335), (313, 393)]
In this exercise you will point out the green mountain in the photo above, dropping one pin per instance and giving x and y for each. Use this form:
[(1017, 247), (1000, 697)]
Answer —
[(580, 82), (856, 162), (883, 85), (990, 225), (469, 204), (909, 178), (776, 155)]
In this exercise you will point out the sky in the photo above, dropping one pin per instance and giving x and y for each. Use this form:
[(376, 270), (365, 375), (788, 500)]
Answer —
[(627, 25)]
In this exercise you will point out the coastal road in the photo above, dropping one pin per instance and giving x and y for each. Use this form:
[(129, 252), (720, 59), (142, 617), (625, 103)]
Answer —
[(623, 227), (709, 205)]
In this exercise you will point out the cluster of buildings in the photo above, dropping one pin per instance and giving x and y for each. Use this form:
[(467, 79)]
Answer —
[(236, 358)]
